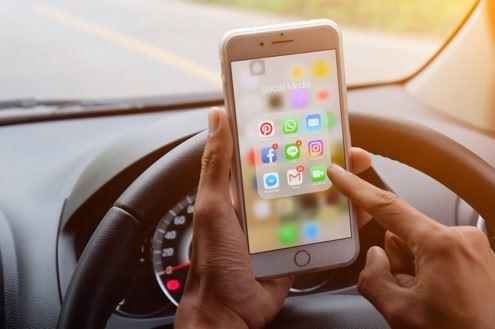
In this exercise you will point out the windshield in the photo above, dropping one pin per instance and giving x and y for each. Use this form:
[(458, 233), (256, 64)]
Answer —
[(120, 49)]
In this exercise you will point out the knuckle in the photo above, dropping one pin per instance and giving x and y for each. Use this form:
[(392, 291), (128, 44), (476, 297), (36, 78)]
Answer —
[(200, 213), (210, 208), (209, 155), (444, 242), (385, 200), (475, 236), (455, 242)]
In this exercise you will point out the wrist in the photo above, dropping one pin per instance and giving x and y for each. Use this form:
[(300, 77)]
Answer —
[(206, 315)]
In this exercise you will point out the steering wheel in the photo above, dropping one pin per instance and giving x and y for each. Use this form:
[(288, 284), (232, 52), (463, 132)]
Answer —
[(105, 267)]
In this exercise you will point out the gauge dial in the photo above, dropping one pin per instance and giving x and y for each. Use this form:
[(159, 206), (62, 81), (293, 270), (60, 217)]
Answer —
[(171, 251), (171, 248)]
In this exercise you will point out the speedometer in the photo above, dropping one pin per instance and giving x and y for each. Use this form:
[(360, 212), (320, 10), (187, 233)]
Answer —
[(171, 254), (171, 248)]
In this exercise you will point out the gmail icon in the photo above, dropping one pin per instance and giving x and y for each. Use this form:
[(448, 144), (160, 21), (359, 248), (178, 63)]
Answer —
[(294, 177)]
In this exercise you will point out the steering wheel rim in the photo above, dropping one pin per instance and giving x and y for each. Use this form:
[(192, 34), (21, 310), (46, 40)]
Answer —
[(105, 266)]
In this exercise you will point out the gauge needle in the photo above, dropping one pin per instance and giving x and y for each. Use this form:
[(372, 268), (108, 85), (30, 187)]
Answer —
[(176, 267)]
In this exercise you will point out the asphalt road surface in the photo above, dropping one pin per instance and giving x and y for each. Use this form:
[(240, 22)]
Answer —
[(123, 48)]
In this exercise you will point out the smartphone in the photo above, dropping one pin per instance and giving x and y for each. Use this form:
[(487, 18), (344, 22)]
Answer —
[(286, 98)]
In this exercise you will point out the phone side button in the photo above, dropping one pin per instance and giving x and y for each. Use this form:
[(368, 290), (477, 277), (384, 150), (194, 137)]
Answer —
[(302, 258)]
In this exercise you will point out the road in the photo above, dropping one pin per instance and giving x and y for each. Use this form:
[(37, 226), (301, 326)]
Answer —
[(122, 48)]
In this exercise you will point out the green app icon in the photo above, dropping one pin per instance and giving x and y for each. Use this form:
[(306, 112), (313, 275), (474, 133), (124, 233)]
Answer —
[(288, 234), (289, 125), (317, 173), (292, 151)]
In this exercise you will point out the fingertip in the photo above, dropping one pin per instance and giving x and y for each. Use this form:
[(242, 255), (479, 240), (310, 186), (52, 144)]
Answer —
[(217, 154), (360, 152), (338, 177), (360, 159), (373, 253), (213, 119), (219, 127)]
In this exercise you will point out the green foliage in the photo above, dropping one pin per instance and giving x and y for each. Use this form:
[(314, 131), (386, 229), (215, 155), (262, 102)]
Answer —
[(434, 17)]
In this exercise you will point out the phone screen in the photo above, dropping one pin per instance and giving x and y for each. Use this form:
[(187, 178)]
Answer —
[(288, 120)]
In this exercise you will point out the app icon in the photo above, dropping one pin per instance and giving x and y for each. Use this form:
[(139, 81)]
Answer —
[(286, 208), (299, 98), (323, 95), (288, 234), (289, 125), (250, 157), (311, 230), (261, 209), (313, 122), (330, 120), (268, 155), (297, 72), (294, 177), (317, 173), (265, 128), (320, 68), (315, 147), (270, 180), (257, 67), (275, 100), (292, 151)]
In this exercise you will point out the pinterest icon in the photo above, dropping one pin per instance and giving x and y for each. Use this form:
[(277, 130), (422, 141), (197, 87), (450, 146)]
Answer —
[(265, 128)]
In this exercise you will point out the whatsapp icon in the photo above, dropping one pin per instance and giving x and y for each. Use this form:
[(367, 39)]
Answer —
[(289, 125)]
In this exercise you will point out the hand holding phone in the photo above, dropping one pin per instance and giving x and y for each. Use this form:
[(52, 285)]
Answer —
[(285, 95), (220, 262)]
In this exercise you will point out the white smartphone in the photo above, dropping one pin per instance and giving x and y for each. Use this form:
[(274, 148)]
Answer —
[(286, 98)]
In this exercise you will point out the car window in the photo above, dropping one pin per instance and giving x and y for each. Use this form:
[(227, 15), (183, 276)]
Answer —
[(136, 48)]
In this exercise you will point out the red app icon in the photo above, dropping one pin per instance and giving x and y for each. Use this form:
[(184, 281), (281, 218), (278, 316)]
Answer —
[(323, 95), (265, 128)]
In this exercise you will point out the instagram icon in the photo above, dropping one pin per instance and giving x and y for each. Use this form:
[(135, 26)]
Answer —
[(315, 147)]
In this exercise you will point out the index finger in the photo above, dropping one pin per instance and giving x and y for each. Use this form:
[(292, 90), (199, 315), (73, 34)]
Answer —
[(388, 210)]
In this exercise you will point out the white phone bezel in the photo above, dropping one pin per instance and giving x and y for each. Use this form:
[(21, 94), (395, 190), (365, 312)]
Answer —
[(269, 41)]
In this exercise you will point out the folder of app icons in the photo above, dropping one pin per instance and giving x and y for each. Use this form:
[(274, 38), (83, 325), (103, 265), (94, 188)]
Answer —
[(292, 152)]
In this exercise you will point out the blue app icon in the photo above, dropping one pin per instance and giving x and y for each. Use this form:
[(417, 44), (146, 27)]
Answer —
[(268, 155), (313, 122), (270, 180), (311, 230)]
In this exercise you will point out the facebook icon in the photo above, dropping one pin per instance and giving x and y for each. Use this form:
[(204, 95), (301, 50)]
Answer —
[(268, 155)]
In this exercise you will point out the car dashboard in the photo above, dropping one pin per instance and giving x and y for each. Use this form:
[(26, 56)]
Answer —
[(60, 177)]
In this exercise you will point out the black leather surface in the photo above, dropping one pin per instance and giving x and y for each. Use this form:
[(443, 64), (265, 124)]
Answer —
[(432, 153), (175, 174), (325, 311), (105, 268)]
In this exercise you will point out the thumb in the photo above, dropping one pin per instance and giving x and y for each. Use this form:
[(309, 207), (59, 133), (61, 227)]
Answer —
[(217, 155), (377, 284)]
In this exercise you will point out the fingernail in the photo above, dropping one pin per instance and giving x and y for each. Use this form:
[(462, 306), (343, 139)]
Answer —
[(213, 119)]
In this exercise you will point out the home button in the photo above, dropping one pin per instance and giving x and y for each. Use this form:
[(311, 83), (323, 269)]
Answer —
[(302, 258)]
